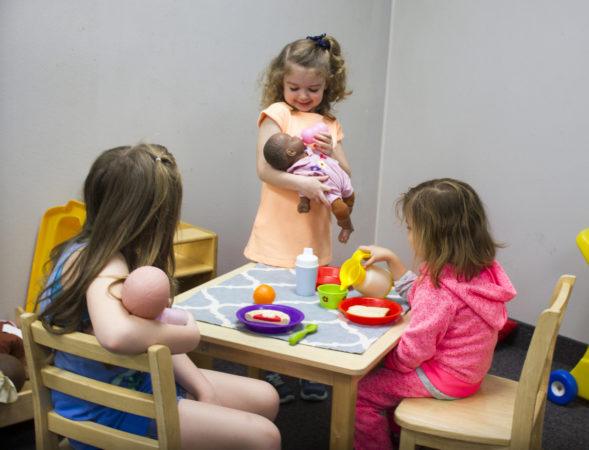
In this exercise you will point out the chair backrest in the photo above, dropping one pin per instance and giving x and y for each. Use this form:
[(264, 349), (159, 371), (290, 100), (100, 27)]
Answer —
[(530, 402), (58, 224), (161, 406)]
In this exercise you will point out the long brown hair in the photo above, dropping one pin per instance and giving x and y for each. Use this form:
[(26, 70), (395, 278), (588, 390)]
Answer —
[(326, 60), (449, 227), (133, 196)]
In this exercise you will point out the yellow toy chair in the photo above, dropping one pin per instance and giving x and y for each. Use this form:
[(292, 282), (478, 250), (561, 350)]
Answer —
[(57, 225)]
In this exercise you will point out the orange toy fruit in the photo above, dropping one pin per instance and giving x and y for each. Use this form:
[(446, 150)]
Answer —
[(264, 294)]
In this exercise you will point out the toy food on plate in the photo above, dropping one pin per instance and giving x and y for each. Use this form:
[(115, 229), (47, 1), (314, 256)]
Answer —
[(295, 317), (268, 316), (368, 311)]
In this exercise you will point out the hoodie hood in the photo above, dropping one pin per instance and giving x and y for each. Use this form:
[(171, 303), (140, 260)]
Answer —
[(486, 294)]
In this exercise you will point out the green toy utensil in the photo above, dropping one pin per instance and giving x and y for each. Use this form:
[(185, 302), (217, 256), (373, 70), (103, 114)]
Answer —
[(296, 337)]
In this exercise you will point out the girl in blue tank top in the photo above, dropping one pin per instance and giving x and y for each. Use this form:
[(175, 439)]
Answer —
[(133, 197)]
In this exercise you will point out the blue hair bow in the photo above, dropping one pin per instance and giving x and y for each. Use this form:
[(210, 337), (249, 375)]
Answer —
[(320, 41)]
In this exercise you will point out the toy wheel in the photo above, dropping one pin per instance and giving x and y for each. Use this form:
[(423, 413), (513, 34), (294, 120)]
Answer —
[(562, 387)]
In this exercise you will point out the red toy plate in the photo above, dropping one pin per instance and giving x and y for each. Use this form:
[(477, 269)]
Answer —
[(394, 312)]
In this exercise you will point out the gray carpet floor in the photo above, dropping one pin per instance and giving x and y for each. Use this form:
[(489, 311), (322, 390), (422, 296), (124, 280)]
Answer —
[(305, 425)]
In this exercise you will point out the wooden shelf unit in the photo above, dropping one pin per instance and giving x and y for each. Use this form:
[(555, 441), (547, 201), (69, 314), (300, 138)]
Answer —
[(195, 250)]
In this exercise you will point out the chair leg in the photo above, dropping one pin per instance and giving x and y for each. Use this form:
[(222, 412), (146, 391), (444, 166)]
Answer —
[(536, 438), (408, 441)]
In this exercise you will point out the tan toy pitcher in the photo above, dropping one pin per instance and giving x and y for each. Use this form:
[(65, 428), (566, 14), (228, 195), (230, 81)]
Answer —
[(372, 281)]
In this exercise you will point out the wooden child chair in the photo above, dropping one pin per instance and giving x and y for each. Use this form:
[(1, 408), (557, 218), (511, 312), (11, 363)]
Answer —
[(161, 405), (504, 414)]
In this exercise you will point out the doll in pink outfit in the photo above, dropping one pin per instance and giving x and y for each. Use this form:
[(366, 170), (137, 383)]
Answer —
[(289, 153), (457, 307)]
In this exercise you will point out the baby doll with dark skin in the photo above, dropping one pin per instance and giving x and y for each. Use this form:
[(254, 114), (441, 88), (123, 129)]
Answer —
[(289, 154)]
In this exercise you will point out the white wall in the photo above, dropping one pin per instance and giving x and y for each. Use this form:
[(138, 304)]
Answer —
[(496, 93), (82, 76)]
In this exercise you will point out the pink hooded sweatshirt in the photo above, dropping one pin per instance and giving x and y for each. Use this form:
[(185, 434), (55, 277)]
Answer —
[(453, 329)]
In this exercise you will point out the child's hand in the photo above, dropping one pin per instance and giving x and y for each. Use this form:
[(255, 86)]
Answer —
[(193, 331), (396, 266), (313, 188), (377, 254), (323, 143)]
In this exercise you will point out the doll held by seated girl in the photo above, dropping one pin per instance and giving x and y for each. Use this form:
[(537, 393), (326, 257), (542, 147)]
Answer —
[(146, 293), (289, 153)]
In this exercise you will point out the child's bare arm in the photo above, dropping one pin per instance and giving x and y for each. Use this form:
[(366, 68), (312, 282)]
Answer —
[(396, 266), (119, 331), (192, 379)]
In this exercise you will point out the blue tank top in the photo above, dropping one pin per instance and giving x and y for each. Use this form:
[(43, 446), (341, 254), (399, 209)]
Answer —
[(77, 409)]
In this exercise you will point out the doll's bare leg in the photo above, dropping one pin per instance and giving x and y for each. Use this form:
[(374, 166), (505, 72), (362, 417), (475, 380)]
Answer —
[(304, 205), (350, 202), (342, 213)]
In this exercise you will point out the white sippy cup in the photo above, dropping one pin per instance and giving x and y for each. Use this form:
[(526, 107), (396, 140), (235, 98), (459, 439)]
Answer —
[(306, 272)]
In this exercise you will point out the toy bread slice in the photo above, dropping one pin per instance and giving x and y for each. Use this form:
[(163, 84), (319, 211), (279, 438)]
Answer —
[(368, 311), (268, 316)]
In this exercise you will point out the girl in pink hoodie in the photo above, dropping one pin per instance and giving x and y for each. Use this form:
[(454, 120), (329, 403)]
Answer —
[(457, 307)]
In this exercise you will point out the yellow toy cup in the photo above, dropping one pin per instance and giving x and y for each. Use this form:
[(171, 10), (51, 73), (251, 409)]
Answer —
[(331, 295)]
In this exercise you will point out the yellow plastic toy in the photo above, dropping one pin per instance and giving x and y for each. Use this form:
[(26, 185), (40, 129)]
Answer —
[(583, 243), (57, 225), (373, 281), (351, 270), (564, 386)]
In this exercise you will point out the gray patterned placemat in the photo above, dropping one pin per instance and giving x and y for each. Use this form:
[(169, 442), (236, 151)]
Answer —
[(218, 304)]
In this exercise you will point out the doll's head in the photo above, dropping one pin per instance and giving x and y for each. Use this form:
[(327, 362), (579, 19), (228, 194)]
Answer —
[(282, 150), (319, 54), (146, 292)]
